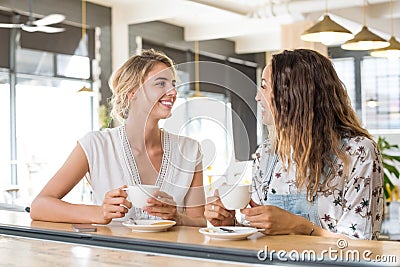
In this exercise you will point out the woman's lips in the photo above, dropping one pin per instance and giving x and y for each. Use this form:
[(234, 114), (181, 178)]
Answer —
[(167, 103)]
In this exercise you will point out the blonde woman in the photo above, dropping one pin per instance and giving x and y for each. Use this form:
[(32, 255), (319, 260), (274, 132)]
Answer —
[(137, 152), (319, 172)]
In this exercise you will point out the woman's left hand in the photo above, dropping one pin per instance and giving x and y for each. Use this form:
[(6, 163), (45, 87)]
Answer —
[(161, 205), (274, 220)]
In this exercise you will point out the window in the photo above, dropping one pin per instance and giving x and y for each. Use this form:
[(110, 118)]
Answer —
[(5, 173), (381, 93), (67, 66), (373, 85), (50, 117), (34, 62), (345, 70), (213, 131)]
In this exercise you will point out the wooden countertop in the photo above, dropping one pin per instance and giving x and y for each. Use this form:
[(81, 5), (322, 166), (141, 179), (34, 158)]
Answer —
[(189, 237), (21, 251)]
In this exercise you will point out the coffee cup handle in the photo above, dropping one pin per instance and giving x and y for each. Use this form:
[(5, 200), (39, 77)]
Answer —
[(126, 190)]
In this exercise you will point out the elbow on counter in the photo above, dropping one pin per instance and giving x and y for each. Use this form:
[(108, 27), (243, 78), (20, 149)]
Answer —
[(35, 209)]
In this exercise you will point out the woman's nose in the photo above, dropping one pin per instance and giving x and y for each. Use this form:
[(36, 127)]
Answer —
[(171, 92), (257, 98)]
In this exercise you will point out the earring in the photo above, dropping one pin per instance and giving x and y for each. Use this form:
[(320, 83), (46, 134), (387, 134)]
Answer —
[(125, 112)]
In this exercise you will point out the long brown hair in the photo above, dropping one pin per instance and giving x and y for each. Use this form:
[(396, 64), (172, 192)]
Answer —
[(313, 113)]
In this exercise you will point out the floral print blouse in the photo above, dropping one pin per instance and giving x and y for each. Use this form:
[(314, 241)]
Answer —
[(352, 207)]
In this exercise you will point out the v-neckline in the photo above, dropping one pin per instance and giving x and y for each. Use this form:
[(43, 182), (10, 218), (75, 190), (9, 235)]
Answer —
[(131, 163)]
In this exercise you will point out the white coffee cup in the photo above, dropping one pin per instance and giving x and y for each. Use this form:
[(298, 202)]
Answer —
[(235, 196), (139, 194)]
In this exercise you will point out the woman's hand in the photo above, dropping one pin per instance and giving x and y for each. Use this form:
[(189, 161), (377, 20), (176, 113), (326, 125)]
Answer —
[(115, 205), (276, 221), (162, 205), (216, 213)]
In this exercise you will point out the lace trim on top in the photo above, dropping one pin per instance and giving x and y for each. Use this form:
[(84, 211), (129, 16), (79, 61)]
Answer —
[(133, 169)]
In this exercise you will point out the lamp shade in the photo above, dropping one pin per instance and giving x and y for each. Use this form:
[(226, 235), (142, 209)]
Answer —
[(392, 51), (85, 89), (327, 32), (372, 103), (365, 40)]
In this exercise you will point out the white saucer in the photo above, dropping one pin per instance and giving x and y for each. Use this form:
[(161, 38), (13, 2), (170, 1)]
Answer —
[(149, 225), (238, 234)]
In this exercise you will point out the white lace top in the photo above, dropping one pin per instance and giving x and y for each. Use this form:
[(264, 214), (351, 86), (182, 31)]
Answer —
[(111, 165), (352, 206)]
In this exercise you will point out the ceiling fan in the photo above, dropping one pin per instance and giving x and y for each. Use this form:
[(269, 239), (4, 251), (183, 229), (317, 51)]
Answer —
[(40, 25)]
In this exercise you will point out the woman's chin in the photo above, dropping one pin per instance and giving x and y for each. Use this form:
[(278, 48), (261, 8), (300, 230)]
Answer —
[(163, 115), (268, 123), (160, 113)]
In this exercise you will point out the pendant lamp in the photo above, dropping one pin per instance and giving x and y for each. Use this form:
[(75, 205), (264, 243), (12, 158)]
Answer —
[(196, 71), (84, 89), (372, 103), (393, 50), (326, 31), (365, 39)]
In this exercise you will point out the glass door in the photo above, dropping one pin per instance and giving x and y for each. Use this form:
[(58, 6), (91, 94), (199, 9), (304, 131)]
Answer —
[(51, 117)]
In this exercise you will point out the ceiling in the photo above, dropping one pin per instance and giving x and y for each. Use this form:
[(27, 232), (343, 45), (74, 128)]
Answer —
[(254, 25)]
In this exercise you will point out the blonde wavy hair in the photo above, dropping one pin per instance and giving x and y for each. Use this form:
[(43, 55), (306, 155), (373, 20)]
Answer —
[(313, 114), (131, 76)]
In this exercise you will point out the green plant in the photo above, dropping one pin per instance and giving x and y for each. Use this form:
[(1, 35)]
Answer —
[(388, 161), (104, 117)]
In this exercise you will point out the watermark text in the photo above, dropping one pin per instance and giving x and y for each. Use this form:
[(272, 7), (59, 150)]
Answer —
[(337, 253)]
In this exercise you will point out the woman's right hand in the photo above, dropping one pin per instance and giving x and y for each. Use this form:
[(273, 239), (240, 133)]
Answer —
[(216, 213), (115, 204)]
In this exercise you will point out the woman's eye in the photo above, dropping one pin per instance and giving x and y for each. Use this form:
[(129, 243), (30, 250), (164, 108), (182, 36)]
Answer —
[(161, 84), (263, 86)]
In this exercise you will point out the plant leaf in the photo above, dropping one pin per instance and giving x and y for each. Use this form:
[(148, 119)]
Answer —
[(391, 169), (388, 164)]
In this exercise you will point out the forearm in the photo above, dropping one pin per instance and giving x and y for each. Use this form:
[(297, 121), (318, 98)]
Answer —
[(305, 227), (56, 210)]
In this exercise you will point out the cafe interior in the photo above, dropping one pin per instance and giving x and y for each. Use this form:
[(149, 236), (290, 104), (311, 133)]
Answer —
[(56, 58)]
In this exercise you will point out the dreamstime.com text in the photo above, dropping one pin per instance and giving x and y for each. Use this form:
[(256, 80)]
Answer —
[(331, 254)]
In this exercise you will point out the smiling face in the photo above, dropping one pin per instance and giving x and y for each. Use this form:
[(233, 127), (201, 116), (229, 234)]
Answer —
[(157, 95), (263, 96)]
